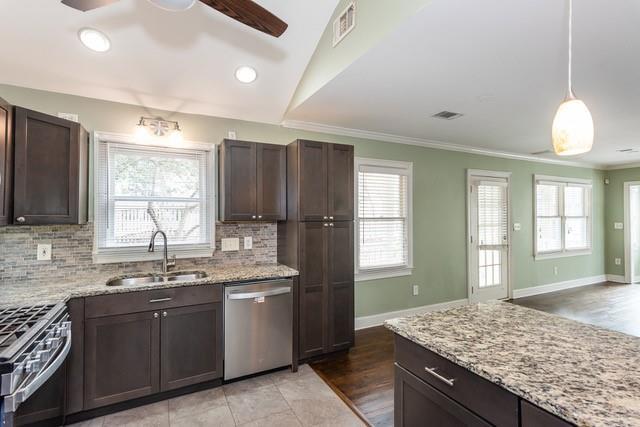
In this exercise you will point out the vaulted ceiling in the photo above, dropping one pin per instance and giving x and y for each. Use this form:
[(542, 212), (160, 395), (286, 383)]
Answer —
[(502, 64), (176, 61)]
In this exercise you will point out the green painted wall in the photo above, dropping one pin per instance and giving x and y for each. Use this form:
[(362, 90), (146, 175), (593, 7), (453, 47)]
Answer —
[(374, 20), (439, 199), (614, 241)]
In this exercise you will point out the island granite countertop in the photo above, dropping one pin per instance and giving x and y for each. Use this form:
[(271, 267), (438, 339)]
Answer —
[(584, 374), (26, 293)]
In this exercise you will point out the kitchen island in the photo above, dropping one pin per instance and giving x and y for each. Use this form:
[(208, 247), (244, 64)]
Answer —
[(502, 364)]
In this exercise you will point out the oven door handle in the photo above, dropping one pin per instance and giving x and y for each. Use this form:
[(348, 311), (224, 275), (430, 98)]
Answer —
[(13, 401)]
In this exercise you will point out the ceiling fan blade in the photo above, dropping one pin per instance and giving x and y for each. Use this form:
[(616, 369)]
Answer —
[(85, 5), (251, 14)]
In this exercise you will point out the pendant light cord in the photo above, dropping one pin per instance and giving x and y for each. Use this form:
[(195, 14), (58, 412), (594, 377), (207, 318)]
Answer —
[(569, 85)]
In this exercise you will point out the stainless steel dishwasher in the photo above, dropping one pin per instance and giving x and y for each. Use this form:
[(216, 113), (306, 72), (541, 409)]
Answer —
[(258, 327)]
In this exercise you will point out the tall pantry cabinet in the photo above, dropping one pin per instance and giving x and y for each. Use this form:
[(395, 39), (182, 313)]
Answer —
[(317, 240)]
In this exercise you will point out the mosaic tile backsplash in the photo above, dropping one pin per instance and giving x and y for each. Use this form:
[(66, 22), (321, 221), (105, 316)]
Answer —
[(72, 246)]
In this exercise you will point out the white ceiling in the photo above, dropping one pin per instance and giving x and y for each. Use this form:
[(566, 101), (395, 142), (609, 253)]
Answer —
[(503, 65), (177, 61)]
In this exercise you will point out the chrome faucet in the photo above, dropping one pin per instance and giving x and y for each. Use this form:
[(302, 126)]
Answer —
[(166, 263)]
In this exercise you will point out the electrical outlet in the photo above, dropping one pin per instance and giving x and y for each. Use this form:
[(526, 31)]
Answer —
[(618, 261), (232, 134), (618, 225), (232, 244), (555, 270), (248, 242), (517, 226), (416, 290), (44, 252)]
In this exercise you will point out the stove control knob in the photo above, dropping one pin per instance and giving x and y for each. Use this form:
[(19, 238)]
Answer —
[(33, 365)]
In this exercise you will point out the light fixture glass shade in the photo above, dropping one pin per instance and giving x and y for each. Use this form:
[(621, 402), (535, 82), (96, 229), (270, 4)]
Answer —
[(572, 130), (173, 5)]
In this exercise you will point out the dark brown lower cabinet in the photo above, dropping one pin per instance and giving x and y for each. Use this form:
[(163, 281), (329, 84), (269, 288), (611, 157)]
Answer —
[(433, 391), (128, 356), (45, 404), (122, 357), (191, 345), (326, 287), (418, 404)]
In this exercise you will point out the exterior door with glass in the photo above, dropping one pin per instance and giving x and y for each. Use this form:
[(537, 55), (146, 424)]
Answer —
[(489, 237)]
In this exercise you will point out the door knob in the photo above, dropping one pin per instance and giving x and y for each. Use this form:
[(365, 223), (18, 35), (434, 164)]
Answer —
[(21, 219)]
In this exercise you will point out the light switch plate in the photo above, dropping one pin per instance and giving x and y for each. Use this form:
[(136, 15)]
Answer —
[(44, 252), (232, 244), (248, 242), (517, 226), (618, 261), (416, 290), (618, 225)]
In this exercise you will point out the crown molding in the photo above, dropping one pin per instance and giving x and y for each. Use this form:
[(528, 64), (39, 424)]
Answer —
[(439, 145), (623, 166)]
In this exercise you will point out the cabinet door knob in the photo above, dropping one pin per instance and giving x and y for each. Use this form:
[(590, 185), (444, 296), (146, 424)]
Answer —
[(325, 224), (259, 216), (325, 217), (21, 219), (164, 314), (331, 217), (155, 315), (253, 217), (331, 225)]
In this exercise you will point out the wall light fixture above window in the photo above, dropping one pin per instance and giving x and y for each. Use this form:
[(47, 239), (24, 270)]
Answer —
[(149, 128)]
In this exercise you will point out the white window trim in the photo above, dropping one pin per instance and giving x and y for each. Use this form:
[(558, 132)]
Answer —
[(563, 253), (140, 253), (386, 272)]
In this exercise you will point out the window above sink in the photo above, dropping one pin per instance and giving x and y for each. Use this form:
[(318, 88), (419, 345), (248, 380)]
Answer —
[(141, 188)]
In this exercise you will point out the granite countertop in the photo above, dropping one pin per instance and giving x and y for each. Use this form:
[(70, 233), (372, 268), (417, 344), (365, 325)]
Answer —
[(25, 293), (584, 374)]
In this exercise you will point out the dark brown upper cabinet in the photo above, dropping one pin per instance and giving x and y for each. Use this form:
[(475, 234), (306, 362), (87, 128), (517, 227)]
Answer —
[(6, 161), (321, 180), (51, 170), (252, 181)]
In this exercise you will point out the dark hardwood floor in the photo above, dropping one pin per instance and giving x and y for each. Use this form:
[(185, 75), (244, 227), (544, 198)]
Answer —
[(609, 305), (363, 377)]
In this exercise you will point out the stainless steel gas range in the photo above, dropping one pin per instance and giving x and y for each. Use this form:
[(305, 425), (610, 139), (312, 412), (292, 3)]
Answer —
[(34, 343)]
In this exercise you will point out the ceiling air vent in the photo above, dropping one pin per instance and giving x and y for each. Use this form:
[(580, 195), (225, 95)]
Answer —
[(447, 115), (344, 23), (627, 150)]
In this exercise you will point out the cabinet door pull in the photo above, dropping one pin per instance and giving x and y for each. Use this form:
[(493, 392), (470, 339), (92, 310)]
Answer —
[(159, 300), (164, 314), (21, 219), (253, 217), (155, 315), (331, 224), (325, 224), (432, 371), (259, 216), (331, 218), (325, 217)]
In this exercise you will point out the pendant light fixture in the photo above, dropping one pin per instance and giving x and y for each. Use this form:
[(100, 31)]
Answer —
[(572, 130)]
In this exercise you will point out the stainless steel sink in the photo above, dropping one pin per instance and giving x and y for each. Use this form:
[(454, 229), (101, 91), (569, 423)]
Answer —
[(177, 276)]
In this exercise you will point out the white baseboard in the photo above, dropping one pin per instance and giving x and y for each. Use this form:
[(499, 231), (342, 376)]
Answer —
[(616, 278), (559, 286), (377, 319)]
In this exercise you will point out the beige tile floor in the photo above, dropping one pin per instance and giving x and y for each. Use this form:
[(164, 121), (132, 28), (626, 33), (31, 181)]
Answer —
[(280, 399)]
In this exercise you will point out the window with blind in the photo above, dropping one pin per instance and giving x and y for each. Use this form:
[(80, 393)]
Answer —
[(383, 218), (563, 216), (140, 189)]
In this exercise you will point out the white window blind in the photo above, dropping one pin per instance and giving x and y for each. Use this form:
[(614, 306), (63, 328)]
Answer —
[(141, 189), (383, 216), (563, 216), (493, 220)]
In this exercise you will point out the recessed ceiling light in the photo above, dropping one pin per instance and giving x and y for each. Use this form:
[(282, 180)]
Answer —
[(95, 40), (246, 74)]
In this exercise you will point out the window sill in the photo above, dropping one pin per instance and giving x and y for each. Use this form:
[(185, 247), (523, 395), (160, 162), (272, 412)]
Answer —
[(553, 255), (386, 273), (137, 254)]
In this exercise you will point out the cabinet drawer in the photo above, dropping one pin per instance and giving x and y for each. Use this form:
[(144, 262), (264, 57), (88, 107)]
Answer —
[(137, 301), (479, 395), (532, 416)]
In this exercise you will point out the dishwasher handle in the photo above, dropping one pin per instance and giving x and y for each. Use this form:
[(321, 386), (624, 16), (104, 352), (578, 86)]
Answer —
[(259, 294)]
